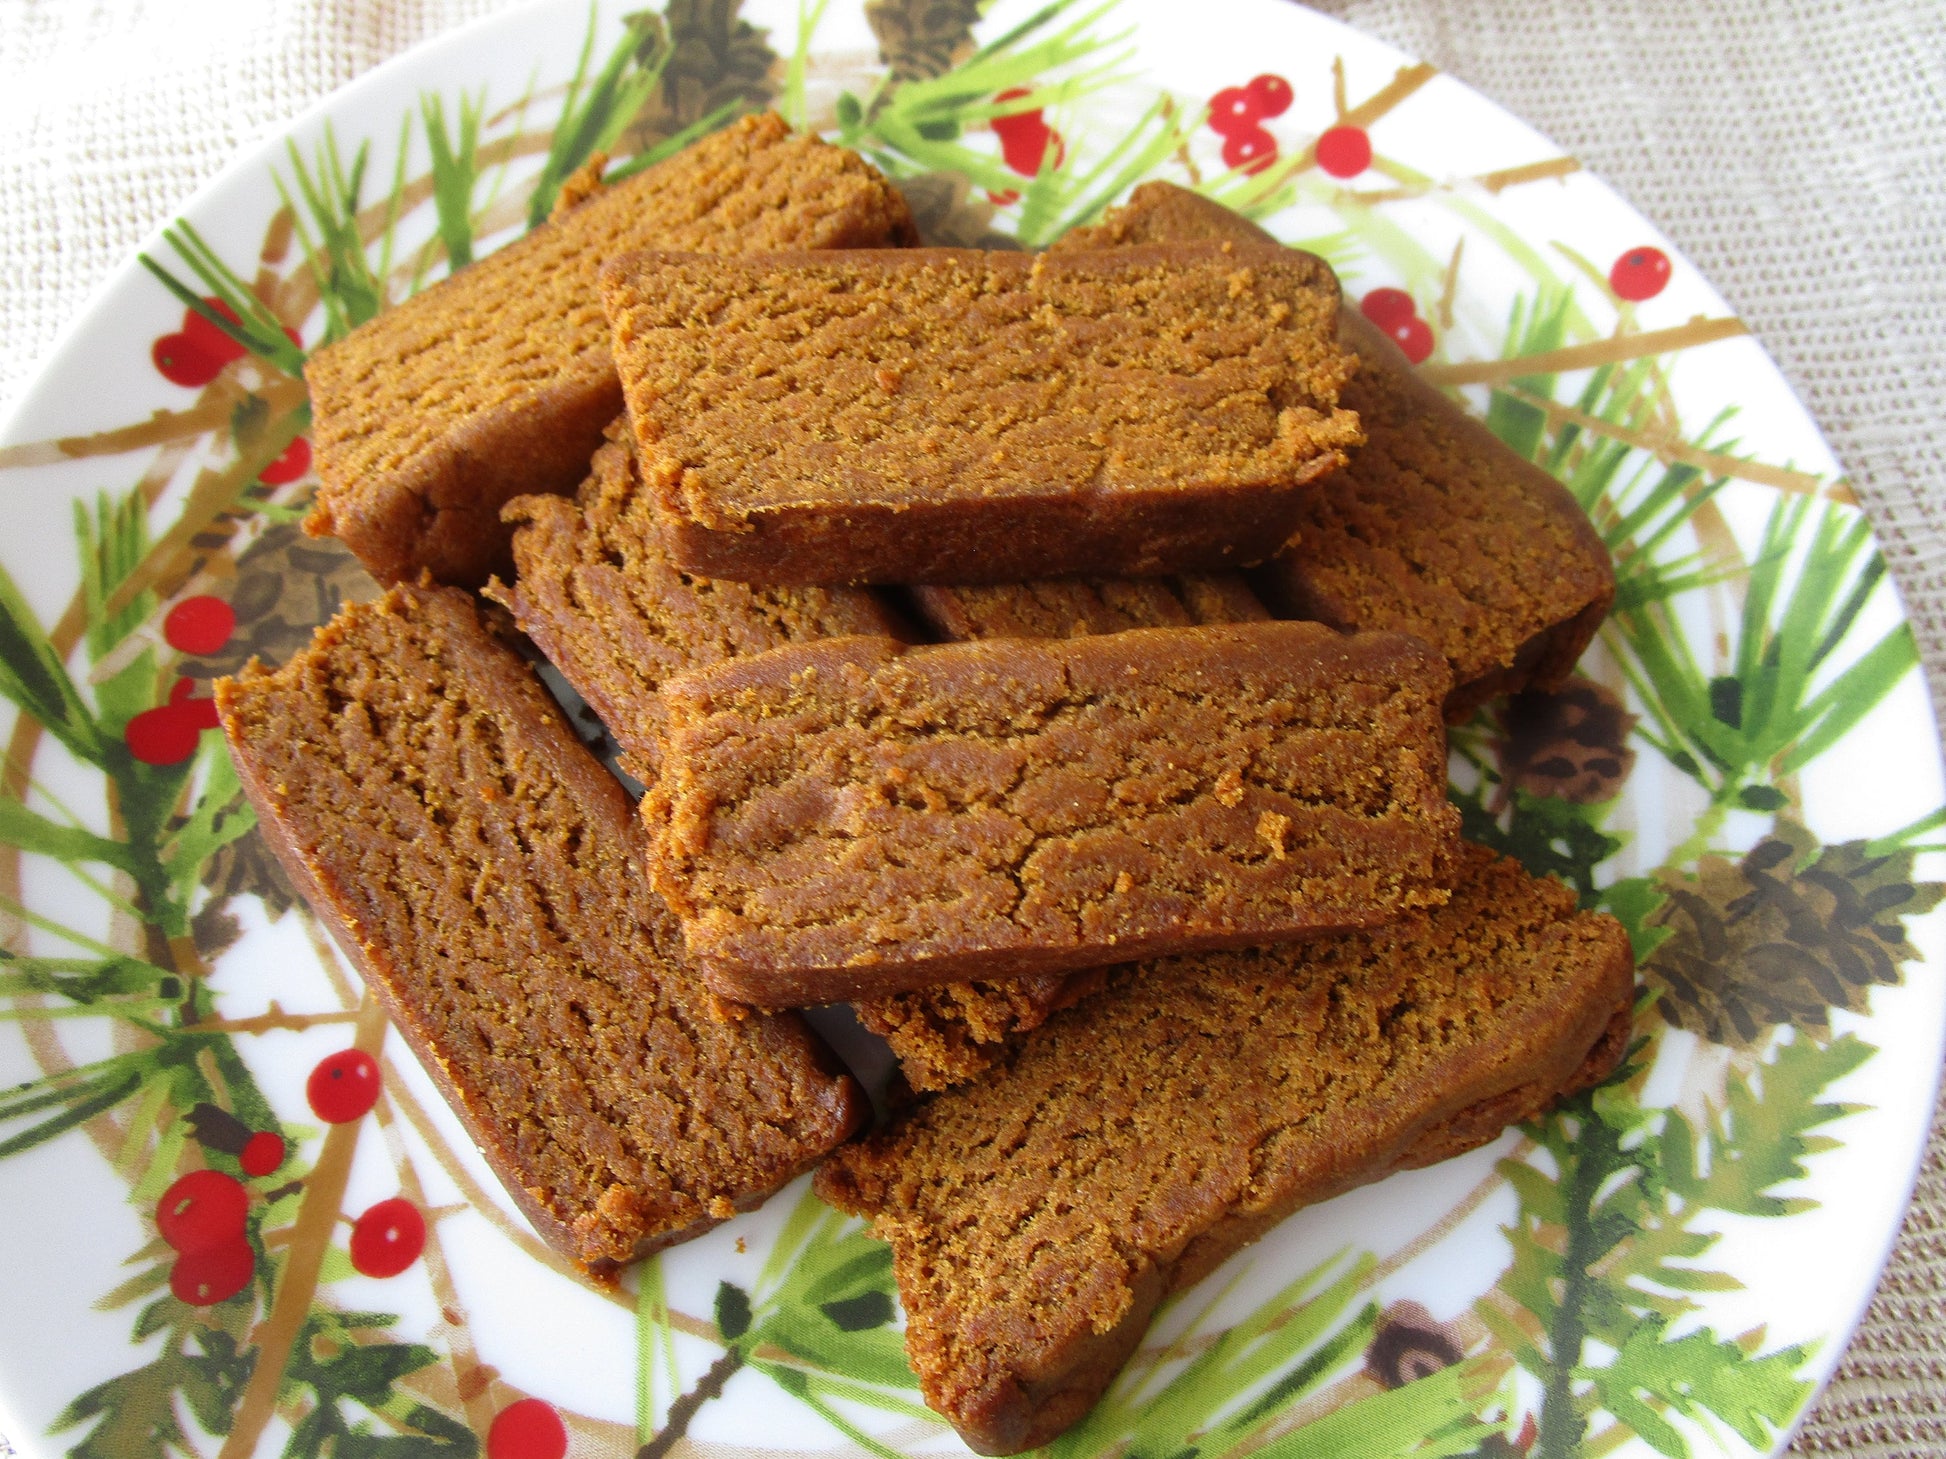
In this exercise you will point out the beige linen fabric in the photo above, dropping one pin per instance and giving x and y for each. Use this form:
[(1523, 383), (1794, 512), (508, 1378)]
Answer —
[(1794, 149)]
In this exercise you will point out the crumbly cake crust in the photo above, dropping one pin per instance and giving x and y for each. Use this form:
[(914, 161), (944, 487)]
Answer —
[(498, 381), (1038, 1215), (845, 819), (486, 875), (948, 415), (957, 1031), (1435, 527), (596, 592)]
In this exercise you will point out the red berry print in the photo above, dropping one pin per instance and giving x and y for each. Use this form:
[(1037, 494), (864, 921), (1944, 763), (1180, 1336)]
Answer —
[(1272, 95), (1004, 199), (218, 344), (204, 1209), (388, 1238), (184, 362), (1414, 336), (1345, 151), (262, 1153), (1234, 109), (1026, 139), (1250, 151), (291, 464), (204, 1278), (343, 1087), (529, 1429), (1388, 308), (199, 625), (1236, 114), (1639, 274), (168, 734), (1393, 312)]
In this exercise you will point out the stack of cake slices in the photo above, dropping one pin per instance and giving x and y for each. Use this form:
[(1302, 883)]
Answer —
[(1048, 656)]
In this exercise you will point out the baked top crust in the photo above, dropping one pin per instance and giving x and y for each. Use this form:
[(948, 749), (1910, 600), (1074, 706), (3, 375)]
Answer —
[(952, 415), (854, 817)]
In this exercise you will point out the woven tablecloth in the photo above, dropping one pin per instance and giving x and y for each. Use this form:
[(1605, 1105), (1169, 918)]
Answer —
[(1795, 151)]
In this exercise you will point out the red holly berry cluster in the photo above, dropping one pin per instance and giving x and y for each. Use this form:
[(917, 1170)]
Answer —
[(1237, 115), (203, 1216), (199, 625), (1393, 311), (1639, 274), (168, 734), (1027, 143), (197, 354), (388, 1238), (291, 463), (343, 1087)]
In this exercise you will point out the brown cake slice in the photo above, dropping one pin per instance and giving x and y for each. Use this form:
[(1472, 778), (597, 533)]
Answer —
[(1038, 1215), (944, 1035), (1435, 528), (845, 819), (498, 381), (596, 592), (486, 875), (946, 415)]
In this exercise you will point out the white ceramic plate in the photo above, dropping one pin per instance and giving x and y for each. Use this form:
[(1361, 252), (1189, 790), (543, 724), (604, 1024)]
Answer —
[(1749, 778)]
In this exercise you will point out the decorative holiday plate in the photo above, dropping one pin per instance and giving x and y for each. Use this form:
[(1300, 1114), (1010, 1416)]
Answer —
[(209, 1252)]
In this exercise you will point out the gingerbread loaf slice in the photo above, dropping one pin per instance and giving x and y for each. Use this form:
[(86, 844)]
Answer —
[(1436, 527), (945, 415), (486, 875), (596, 592), (498, 381), (1037, 1216), (943, 1036), (851, 818)]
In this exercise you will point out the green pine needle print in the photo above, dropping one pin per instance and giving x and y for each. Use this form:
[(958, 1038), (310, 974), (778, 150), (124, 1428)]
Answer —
[(600, 107), (455, 171), (351, 286), (1606, 1252)]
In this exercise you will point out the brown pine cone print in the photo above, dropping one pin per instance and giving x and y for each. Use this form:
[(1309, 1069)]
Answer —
[(919, 39), (286, 584), (1410, 1344), (1572, 744), (719, 57), (1784, 936)]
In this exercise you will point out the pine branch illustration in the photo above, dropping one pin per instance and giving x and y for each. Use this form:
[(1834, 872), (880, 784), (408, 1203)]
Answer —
[(675, 1426)]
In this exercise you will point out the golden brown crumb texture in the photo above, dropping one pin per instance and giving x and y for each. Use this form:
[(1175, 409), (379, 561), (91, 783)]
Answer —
[(856, 817), (487, 875), (1435, 527), (951, 415), (1038, 1215)]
